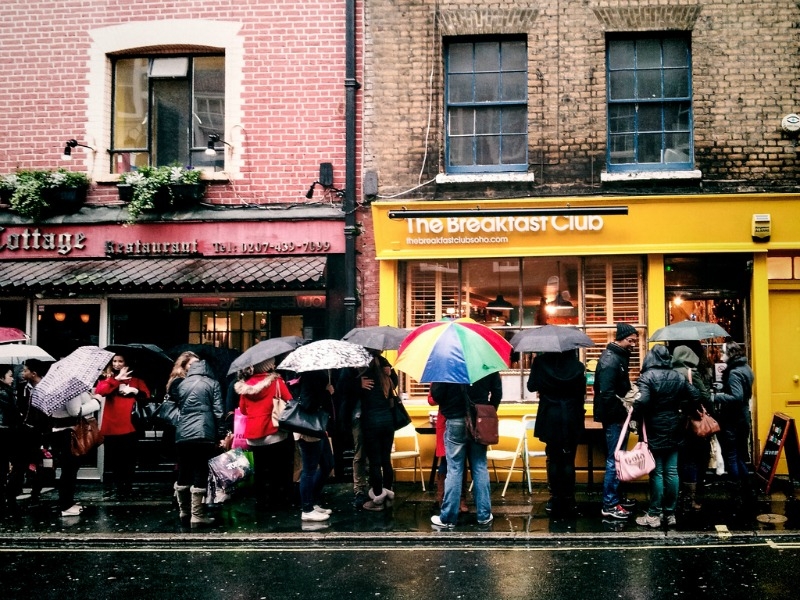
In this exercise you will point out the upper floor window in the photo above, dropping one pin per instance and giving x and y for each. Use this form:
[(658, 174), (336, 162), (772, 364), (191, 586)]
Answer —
[(649, 103), (486, 105), (164, 110)]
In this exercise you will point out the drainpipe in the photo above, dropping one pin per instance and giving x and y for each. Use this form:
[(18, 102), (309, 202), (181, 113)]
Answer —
[(351, 85)]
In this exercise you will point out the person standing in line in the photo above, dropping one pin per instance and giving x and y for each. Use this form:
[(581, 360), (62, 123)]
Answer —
[(560, 380), (63, 422), (10, 422), (120, 389), (197, 435), (664, 399), (375, 386), (316, 391), (732, 397), (273, 450), (452, 401), (611, 384), (694, 453), (350, 411)]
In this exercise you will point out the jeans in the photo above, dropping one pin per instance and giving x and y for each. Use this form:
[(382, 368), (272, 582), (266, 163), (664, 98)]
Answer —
[(664, 483), (733, 439), (458, 447), (317, 464), (359, 459), (611, 495)]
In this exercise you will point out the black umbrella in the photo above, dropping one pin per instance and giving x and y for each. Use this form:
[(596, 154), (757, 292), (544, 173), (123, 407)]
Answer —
[(379, 337), (550, 338), (265, 350), (146, 361)]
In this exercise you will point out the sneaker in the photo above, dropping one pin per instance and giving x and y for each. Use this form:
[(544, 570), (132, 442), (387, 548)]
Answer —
[(671, 521), (548, 507), (324, 511), (72, 511), (486, 521), (627, 503), (615, 512), (436, 521), (359, 500), (649, 521), (313, 515)]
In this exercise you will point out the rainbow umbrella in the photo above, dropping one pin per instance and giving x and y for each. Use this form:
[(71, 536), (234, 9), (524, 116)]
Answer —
[(454, 351)]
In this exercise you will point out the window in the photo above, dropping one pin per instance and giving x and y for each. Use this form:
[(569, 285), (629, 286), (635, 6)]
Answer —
[(649, 104), (165, 108), (486, 91)]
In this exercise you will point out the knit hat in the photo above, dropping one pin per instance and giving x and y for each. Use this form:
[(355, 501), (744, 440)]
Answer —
[(265, 366), (624, 330)]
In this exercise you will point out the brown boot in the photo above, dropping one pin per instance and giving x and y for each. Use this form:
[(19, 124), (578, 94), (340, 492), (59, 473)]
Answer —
[(440, 477)]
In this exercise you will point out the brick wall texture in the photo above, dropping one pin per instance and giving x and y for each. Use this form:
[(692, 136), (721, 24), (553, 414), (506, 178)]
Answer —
[(745, 65)]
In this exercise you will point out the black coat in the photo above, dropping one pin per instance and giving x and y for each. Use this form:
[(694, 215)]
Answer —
[(560, 380), (200, 400), (733, 402), (663, 400), (611, 382), (453, 404)]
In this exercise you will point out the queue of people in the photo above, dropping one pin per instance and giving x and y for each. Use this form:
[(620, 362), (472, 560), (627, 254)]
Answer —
[(292, 469)]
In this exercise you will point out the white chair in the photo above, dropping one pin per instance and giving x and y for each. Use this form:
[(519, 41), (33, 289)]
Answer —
[(527, 454), (512, 435), (408, 437)]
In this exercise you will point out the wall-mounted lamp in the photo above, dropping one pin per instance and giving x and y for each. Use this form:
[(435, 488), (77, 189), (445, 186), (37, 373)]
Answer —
[(70, 145), (325, 180), (213, 139)]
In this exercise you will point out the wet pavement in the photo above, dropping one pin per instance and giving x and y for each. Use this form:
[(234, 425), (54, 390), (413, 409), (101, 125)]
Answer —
[(520, 518)]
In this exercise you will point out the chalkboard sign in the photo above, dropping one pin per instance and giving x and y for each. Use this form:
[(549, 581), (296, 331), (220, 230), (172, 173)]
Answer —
[(782, 437)]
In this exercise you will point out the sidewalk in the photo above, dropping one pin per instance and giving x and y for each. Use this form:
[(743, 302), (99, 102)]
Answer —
[(150, 517)]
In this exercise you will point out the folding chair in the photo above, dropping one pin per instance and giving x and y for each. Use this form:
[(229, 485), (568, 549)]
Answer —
[(512, 434), (530, 423), (407, 433)]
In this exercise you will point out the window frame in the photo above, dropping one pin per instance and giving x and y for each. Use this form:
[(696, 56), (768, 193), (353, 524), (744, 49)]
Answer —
[(663, 101), (192, 151), (477, 105)]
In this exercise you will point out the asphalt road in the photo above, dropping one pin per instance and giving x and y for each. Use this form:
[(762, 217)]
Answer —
[(752, 570)]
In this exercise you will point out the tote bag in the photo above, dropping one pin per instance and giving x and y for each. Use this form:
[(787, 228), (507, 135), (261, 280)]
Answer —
[(296, 420), (637, 462)]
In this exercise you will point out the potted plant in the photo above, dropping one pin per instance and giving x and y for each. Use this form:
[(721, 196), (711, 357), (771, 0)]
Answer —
[(160, 188), (38, 194)]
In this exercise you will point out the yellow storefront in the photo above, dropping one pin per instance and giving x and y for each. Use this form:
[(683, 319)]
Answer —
[(594, 261)]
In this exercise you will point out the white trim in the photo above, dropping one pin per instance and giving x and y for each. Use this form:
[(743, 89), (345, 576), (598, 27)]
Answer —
[(650, 175), (484, 177), (138, 34)]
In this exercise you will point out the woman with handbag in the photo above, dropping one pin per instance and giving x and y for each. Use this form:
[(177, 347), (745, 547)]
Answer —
[(121, 391), (62, 422), (197, 436), (262, 396), (316, 392), (693, 455), (375, 386), (664, 398)]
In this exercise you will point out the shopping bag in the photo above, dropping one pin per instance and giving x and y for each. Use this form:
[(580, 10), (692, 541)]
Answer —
[(239, 424)]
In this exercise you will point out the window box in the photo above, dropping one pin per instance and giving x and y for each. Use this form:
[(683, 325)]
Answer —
[(159, 189), (40, 194)]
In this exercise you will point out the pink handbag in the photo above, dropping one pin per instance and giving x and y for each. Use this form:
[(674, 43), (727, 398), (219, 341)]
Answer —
[(635, 463)]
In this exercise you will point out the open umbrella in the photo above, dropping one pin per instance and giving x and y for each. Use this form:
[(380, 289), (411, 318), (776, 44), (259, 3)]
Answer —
[(688, 330), (550, 338), (459, 351), (146, 361), (17, 354), (74, 374), (326, 354), (265, 350), (12, 334), (380, 337)]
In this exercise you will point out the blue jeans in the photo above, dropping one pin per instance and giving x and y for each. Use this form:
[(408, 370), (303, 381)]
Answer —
[(664, 483), (610, 482), (458, 447), (317, 464)]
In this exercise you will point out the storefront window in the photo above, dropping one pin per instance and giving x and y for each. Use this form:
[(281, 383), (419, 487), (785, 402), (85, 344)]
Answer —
[(512, 294), (228, 329)]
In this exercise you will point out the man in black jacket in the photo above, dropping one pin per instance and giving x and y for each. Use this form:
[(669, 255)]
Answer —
[(611, 383)]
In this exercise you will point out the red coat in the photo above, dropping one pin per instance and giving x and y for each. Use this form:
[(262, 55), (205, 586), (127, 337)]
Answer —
[(117, 409), (256, 400)]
